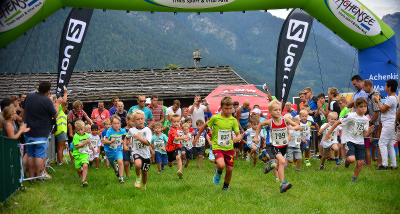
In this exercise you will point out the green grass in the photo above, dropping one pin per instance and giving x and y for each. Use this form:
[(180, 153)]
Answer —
[(313, 191)]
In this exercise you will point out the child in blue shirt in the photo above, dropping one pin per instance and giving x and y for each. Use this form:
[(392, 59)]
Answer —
[(158, 142)]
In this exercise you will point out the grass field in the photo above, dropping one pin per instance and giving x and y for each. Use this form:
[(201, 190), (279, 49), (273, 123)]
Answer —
[(313, 191)]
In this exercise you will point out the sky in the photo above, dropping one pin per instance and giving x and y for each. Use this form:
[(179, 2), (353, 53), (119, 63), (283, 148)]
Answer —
[(379, 7)]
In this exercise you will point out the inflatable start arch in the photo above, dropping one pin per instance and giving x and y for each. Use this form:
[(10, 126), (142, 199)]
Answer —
[(349, 19)]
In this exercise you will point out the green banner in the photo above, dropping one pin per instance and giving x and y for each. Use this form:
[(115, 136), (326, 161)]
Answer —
[(349, 19)]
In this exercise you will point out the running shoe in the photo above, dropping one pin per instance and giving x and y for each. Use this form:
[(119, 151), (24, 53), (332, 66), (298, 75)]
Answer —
[(137, 182), (143, 187), (121, 181), (180, 174), (159, 172), (85, 184), (268, 168), (308, 163), (116, 169), (353, 179), (337, 161), (285, 187), (321, 167), (382, 168), (163, 167), (226, 189), (217, 178)]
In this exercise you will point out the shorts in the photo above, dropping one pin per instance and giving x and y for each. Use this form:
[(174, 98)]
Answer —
[(80, 159), (172, 155), (188, 153), (126, 155), (62, 137), (356, 150), (278, 150), (145, 162), (236, 145), (198, 151), (161, 158), (113, 156), (251, 145), (293, 152), (305, 146), (328, 149), (367, 143), (36, 150), (92, 156), (228, 156), (268, 149)]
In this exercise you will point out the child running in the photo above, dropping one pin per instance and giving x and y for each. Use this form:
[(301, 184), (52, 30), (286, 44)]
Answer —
[(96, 143), (106, 125), (306, 134), (127, 149), (113, 146), (81, 144), (174, 144), (279, 139), (199, 147), (329, 144), (140, 138), (355, 127), (222, 126), (294, 152), (158, 142), (250, 133), (187, 144)]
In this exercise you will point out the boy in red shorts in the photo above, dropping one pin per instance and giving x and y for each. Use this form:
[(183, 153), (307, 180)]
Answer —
[(222, 126)]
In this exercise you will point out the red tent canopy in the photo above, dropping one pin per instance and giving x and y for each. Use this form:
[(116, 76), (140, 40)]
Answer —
[(238, 93)]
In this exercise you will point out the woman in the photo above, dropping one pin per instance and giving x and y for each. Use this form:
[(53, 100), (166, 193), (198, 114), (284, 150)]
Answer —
[(8, 124)]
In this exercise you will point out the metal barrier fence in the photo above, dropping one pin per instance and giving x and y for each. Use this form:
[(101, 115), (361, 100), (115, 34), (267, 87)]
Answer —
[(10, 167)]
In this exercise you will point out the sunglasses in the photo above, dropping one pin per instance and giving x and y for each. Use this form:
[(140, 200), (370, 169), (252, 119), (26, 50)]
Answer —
[(142, 101)]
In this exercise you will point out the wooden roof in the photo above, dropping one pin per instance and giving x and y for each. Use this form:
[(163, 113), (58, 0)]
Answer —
[(93, 86)]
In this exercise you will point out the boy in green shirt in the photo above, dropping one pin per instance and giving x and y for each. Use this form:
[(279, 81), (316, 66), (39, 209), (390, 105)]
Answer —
[(81, 142), (222, 126)]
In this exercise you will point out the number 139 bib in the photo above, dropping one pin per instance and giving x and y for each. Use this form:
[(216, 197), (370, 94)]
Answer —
[(279, 137)]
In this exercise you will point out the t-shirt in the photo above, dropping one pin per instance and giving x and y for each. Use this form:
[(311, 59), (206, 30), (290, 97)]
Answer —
[(38, 113), (112, 110), (322, 116), (123, 117), (117, 145), (170, 110), (157, 113), (197, 114), (333, 139), (187, 144), (295, 138), (173, 144), (354, 127), (78, 139), (138, 147), (306, 133), (334, 106), (202, 138), (222, 129), (344, 112), (147, 113), (313, 105), (360, 93), (373, 107), (250, 134), (100, 117), (389, 116), (159, 142), (95, 141)]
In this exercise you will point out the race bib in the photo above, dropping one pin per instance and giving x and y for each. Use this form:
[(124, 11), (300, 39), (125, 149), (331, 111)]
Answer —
[(297, 142), (116, 143), (158, 144), (279, 137), (138, 145), (252, 135), (202, 141), (84, 149), (358, 129), (224, 138), (322, 115), (306, 131)]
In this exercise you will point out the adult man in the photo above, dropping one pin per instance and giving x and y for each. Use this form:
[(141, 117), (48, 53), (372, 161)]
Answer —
[(375, 114), (156, 110), (358, 83), (161, 103), (100, 114), (174, 109), (243, 115), (38, 113), (303, 100), (142, 106), (197, 110), (113, 109), (289, 109), (121, 112), (312, 101)]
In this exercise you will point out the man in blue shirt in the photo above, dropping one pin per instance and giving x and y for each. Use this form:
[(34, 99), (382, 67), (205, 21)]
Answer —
[(358, 84), (142, 106), (289, 109)]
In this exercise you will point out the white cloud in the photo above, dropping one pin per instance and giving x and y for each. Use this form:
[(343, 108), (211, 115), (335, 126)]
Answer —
[(379, 7)]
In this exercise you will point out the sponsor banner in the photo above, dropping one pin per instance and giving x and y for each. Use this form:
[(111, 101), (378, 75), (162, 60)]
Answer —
[(71, 42), (15, 12), (190, 4), (355, 16), (292, 41)]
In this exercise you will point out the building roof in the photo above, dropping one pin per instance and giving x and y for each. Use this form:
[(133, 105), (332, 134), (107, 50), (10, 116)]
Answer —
[(93, 86)]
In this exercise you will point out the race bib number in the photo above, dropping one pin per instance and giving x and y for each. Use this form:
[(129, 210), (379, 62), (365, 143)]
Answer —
[(322, 115), (93, 142), (252, 135), (358, 128), (297, 142), (138, 145), (117, 143), (224, 138), (84, 149), (202, 141), (158, 144), (279, 137), (306, 131)]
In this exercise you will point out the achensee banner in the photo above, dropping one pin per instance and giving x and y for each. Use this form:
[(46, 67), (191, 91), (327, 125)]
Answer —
[(292, 41), (72, 37)]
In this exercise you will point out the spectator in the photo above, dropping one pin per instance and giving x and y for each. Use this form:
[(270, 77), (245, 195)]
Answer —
[(113, 109), (358, 83), (38, 113), (16, 103), (21, 97), (174, 109), (8, 124), (208, 114), (343, 107), (312, 101), (4, 103), (161, 103), (374, 114), (77, 113), (289, 109), (100, 114), (333, 97), (243, 115), (197, 110), (185, 114), (62, 128), (141, 99), (303, 99), (156, 109), (235, 106), (121, 112)]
